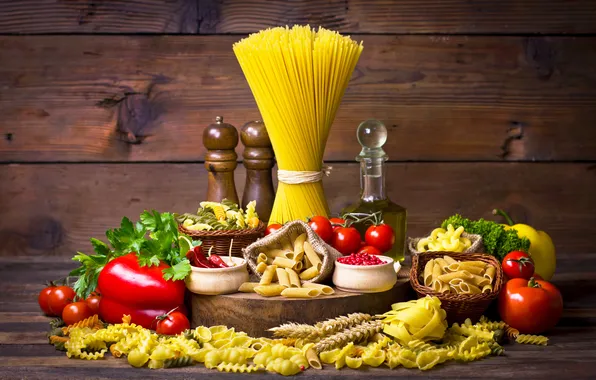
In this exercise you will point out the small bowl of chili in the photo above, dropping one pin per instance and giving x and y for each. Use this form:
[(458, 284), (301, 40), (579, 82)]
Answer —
[(218, 280), (364, 273)]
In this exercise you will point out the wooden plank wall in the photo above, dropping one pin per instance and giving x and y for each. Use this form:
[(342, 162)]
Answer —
[(488, 104)]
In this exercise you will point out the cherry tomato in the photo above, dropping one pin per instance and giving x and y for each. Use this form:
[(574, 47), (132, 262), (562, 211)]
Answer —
[(43, 299), (75, 312), (59, 298), (380, 236), (518, 264), (532, 306), (322, 227), (93, 302), (346, 240), (369, 249), (172, 323), (272, 228), (336, 222)]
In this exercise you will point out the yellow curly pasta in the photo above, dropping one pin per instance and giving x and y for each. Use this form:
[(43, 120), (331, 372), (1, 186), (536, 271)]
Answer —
[(532, 339), (238, 368), (471, 331), (284, 367)]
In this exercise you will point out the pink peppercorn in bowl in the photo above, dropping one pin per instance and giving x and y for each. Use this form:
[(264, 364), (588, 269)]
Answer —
[(360, 276)]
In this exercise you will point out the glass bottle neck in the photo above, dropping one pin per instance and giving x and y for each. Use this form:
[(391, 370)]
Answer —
[(372, 179)]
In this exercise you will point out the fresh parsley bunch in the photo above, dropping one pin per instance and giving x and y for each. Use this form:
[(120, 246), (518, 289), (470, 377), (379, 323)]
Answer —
[(155, 238)]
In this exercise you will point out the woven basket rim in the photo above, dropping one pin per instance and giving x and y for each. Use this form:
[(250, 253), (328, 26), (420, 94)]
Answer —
[(461, 256), (224, 233)]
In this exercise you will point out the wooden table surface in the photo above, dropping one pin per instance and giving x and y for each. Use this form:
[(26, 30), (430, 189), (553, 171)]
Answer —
[(25, 353)]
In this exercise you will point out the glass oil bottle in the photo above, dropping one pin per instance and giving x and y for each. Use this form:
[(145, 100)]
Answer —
[(372, 135)]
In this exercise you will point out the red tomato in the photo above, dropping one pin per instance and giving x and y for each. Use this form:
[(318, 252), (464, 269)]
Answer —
[(172, 323), (336, 222), (75, 312), (43, 299), (380, 236), (537, 277), (346, 240), (59, 298), (322, 227), (93, 302), (532, 306), (518, 264), (272, 228), (370, 250)]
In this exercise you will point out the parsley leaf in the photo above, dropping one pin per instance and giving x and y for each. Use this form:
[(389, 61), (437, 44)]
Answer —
[(178, 271), (155, 238)]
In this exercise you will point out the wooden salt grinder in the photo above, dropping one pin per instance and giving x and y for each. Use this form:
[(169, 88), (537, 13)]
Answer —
[(258, 160), (221, 139)]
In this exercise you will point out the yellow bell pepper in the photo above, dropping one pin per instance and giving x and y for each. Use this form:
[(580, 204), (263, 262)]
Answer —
[(542, 249)]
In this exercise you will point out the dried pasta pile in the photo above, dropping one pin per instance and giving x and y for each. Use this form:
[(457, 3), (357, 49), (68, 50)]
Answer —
[(355, 341), (298, 77), (445, 274), (286, 268)]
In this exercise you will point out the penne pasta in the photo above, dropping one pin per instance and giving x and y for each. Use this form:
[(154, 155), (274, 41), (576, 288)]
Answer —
[(248, 287), (267, 277), (287, 263), (271, 290), (261, 267), (450, 276), (455, 267), (286, 244), (300, 292), (313, 358), (306, 262), (262, 258), (490, 273), (479, 280), (325, 289), (469, 288), (311, 272), (299, 244), (293, 277), (275, 252), (282, 277), (462, 277), (298, 256), (450, 260), (311, 254), (428, 272), (289, 255), (442, 262)]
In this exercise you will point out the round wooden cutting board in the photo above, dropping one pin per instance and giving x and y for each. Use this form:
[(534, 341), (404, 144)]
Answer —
[(253, 314)]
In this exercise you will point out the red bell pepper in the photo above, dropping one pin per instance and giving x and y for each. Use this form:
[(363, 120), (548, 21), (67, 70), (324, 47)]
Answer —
[(141, 292)]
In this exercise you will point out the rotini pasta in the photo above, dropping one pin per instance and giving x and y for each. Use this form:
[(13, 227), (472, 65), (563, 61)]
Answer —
[(532, 339)]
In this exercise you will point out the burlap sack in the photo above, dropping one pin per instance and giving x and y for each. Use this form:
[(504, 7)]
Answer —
[(476, 247), (328, 253)]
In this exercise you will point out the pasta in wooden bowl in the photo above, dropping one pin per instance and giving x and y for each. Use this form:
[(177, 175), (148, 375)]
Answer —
[(466, 283)]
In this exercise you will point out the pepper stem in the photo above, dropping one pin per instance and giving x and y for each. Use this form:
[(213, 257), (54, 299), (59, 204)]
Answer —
[(533, 284), (504, 215)]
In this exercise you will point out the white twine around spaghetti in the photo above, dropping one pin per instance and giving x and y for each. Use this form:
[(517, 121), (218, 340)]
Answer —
[(292, 177)]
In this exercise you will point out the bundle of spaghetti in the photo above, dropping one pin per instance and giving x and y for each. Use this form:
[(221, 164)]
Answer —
[(298, 77)]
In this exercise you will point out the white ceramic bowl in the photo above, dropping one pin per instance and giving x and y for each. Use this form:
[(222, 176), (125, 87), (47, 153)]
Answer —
[(212, 281), (365, 278)]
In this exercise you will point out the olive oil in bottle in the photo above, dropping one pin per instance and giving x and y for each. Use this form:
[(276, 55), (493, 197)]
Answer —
[(372, 135)]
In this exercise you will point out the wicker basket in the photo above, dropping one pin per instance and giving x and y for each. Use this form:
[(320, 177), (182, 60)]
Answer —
[(458, 306), (220, 240)]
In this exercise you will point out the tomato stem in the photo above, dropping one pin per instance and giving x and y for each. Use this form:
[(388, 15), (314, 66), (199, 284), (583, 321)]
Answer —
[(504, 215)]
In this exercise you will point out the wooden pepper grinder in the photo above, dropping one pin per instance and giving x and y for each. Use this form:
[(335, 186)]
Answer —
[(258, 160), (221, 139)]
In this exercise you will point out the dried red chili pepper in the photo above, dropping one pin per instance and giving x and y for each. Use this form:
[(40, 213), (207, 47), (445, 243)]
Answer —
[(198, 258), (216, 260)]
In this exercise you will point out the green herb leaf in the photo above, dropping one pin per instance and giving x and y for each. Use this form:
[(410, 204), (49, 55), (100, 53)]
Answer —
[(100, 247), (178, 271)]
